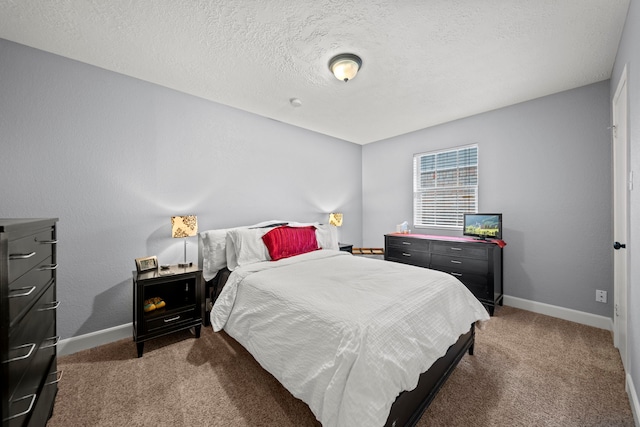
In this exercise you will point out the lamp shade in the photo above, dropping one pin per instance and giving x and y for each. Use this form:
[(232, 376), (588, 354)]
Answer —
[(335, 219), (184, 226)]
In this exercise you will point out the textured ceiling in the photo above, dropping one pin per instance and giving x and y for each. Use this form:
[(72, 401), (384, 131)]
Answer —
[(425, 62)]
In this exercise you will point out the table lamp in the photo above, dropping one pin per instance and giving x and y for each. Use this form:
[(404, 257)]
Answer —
[(184, 226)]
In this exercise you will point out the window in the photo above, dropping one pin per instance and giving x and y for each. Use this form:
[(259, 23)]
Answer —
[(445, 185)]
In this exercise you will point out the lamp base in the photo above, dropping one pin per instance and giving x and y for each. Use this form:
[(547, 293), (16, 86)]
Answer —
[(185, 264)]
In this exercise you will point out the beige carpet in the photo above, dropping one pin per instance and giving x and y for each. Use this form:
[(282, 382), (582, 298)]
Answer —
[(528, 370)]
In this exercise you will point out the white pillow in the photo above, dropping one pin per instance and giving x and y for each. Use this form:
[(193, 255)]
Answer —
[(327, 236), (214, 253), (214, 257), (245, 246)]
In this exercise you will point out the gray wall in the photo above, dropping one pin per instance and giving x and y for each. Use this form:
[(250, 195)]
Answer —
[(546, 165), (114, 158), (629, 55)]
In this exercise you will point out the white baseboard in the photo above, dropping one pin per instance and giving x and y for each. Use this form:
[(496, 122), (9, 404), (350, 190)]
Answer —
[(94, 339), (633, 399), (589, 319)]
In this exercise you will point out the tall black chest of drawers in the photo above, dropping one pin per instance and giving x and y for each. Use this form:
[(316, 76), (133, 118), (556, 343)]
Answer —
[(477, 264), (28, 374)]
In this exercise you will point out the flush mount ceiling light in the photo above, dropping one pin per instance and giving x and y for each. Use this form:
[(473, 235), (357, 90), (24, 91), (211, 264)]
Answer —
[(345, 66)]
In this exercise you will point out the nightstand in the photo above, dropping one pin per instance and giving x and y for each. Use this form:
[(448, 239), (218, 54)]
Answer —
[(345, 247), (180, 289)]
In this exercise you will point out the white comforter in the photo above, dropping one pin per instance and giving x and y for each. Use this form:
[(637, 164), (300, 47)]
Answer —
[(345, 334)]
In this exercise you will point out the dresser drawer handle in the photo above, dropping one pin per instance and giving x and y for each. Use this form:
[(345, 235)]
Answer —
[(405, 254), (23, 294), (29, 396), (406, 243), (173, 319), (26, 356), (58, 375), (21, 256), (54, 341), (54, 305), (48, 267), (454, 261), (457, 274), (47, 242), (456, 249)]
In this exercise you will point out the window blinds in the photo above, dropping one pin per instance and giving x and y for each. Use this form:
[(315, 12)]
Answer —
[(445, 185)]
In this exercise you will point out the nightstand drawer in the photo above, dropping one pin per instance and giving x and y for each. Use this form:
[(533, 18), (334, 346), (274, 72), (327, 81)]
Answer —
[(460, 249), (459, 264), (171, 319)]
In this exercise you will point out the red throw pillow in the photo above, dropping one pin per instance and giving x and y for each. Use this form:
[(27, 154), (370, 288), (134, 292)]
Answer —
[(284, 242)]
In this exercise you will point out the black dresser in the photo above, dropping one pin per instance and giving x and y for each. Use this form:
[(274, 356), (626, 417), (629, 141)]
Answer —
[(476, 263), (28, 307)]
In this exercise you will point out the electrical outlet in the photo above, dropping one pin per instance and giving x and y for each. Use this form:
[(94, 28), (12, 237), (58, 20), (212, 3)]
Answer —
[(601, 296)]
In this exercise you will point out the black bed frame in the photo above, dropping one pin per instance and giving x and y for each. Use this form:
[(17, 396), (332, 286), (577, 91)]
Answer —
[(409, 405)]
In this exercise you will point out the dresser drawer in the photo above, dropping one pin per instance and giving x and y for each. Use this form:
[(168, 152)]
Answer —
[(460, 249), (407, 256), (46, 397), (459, 264), (478, 285), (408, 243), (23, 400), (28, 252), (171, 319), (31, 338), (24, 291)]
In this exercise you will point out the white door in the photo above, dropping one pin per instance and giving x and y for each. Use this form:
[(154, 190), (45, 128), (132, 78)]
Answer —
[(621, 186)]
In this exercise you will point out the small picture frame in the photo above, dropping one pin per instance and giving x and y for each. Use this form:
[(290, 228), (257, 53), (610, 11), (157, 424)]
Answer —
[(146, 264)]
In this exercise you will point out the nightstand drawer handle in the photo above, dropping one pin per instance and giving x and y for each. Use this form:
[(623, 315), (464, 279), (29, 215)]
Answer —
[(26, 356), (453, 261), (457, 274), (456, 249), (405, 254), (406, 243), (54, 305), (54, 341), (48, 267), (21, 256), (58, 375), (173, 319), (33, 399), (23, 294)]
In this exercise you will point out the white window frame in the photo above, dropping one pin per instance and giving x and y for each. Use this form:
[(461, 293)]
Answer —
[(439, 200)]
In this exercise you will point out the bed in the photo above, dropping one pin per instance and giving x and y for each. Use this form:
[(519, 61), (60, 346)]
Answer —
[(361, 341)]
